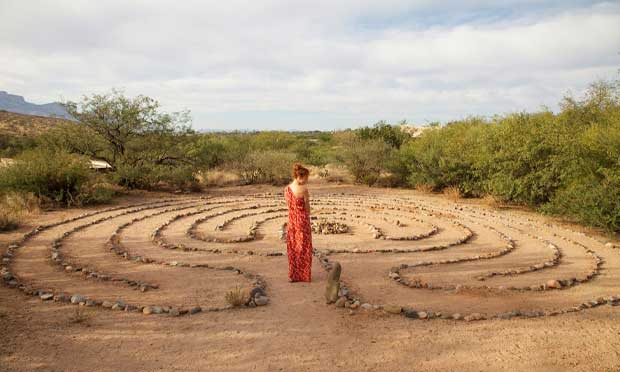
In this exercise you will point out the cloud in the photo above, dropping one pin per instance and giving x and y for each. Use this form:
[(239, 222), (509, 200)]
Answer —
[(315, 65)]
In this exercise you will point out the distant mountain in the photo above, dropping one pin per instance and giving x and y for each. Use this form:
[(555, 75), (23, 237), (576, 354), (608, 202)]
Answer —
[(14, 103)]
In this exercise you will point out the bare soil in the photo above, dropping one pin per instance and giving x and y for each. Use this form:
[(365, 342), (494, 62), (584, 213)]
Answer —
[(468, 271)]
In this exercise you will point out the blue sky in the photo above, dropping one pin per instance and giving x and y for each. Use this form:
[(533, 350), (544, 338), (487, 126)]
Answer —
[(305, 65)]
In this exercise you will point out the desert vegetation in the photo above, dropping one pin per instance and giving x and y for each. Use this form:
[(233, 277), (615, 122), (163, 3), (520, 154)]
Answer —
[(565, 163)]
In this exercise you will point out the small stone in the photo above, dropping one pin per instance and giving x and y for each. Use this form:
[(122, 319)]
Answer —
[(195, 310), (340, 302), (393, 309), (119, 305), (174, 312), (366, 306), (457, 316), (147, 310), (76, 299), (256, 292), (261, 300), (107, 304), (422, 314), (553, 284), (409, 313), (474, 316), (47, 296)]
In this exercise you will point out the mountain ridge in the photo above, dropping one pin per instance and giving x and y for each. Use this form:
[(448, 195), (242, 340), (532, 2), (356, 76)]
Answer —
[(17, 104)]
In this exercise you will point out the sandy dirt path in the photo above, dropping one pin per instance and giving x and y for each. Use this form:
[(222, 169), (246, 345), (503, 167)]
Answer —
[(297, 330)]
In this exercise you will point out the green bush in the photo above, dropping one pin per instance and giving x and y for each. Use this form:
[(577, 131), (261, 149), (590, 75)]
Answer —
[(366, 159), (55, 176), (265, 167), (156, 177)]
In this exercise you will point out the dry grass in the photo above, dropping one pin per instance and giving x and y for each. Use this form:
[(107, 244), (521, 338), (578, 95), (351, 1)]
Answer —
[(14, 207), (79, 316), (453, 193), (237, 296), (219, 178), (26, 125), (494, 202), (425, 188)]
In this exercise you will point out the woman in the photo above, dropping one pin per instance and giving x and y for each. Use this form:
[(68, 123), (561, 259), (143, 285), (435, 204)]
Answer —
[(298, 230)]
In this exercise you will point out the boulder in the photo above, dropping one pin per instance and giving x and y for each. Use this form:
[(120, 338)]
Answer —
[(333, 283)]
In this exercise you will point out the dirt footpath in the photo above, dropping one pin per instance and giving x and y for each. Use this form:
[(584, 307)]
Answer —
[(548, 329)]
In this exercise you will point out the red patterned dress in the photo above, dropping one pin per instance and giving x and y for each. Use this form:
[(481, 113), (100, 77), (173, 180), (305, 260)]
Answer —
[(298, 238)]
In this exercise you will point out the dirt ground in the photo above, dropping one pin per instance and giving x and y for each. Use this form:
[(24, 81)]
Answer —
[(471, 258)]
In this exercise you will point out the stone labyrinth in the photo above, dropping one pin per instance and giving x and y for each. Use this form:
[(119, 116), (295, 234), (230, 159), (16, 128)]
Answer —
[(407, 255)]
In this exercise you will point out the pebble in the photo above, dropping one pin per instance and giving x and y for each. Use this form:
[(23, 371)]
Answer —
[(174, 312), (147, 310), (553, 284), (256, 292), (261, 300), (341, 301), (366, 306), (409, 313), (422, 314), (393, 309), (107, 304), (195, 310), (457, 316), (47, 296), (76, 299), (474, 316)]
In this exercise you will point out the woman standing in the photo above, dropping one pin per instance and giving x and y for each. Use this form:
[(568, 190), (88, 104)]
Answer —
[(298, 230)]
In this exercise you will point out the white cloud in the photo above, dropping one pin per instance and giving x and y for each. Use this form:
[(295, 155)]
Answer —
[(351, 62)]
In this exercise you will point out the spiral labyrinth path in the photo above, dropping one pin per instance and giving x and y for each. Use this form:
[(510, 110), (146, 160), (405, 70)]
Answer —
[(402, 254)]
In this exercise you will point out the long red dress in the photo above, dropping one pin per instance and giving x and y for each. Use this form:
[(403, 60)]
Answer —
[(298, 238)]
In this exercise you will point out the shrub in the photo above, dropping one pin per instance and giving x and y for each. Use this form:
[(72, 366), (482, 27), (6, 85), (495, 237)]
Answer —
[(265, 167), (13, 207), (57, 176), (237, 296), (366, 159)]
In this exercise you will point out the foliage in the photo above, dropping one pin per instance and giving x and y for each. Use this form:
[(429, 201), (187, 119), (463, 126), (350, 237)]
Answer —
[(272, 167), (366, 159), (14, 206), (57, 176)]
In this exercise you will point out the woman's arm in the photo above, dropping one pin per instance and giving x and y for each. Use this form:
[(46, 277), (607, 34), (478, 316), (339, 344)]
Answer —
[(307, 200)]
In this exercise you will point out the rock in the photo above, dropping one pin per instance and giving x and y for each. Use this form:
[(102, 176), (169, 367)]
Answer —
[(107, 304), (366, 306), (119, 305), (553, 284), (76, 299), (147, 310), (195, 310), (340, 302), (157, 309), (393, 309), (174, 312), (354, 305), (422, 314), (457, 316), (261, 300), (47, 296), (256, 292), (333, 283), (409, 313), (474, 316)]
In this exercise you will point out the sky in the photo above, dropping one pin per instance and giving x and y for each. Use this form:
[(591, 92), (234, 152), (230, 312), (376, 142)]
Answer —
[(311, 65)]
